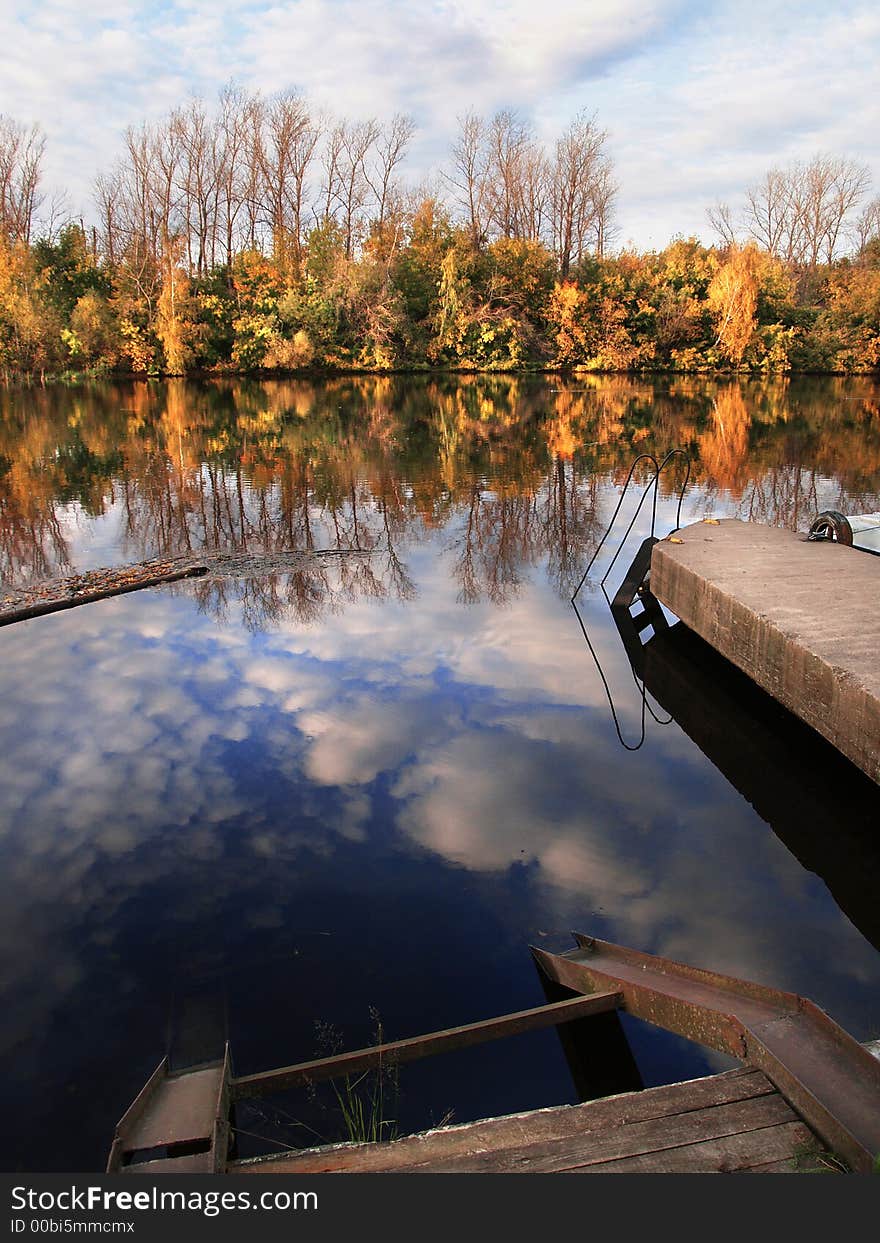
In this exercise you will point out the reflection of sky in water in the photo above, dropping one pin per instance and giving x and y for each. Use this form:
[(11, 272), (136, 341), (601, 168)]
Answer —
[(374, 783), (382, 809)]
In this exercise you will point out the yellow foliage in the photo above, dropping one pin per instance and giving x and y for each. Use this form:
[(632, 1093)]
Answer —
[(724, 446), (290, 353), (562, 440), (174, 320), (92, 329), (28, 328), (733, 299)]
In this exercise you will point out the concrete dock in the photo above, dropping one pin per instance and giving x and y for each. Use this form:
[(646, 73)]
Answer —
[(801, 618)]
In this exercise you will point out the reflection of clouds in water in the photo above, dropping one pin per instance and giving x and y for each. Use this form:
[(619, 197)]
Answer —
[(672, 856), (354, 741), (531, 649), (489, 799), (106, 746), (707, 883), (116, 773)]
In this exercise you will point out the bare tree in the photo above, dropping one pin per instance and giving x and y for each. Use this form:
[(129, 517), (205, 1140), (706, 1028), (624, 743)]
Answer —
[(231, 162), (535, 194), (197, 176), (507, 186), (582, 186), (21, 157), (800, 213), (720, 217), (108, 197), (285, 151), (55, 215), (391, 143), (867, 227), (510, 145), (140, 205), (604, 193), (769, 211), (168, 197), (347, 187), (842, 184), (331, 192), (469, 176)]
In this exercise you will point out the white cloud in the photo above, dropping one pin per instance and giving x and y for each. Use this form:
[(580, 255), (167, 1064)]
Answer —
[(698, 101)]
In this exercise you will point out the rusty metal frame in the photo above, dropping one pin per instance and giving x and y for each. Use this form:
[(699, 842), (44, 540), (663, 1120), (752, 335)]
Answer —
[(398, 1051), (825, 1074)]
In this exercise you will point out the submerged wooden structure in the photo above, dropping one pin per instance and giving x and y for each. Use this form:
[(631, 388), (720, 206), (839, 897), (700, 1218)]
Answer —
[(55, 595), (799, 616), (804, 1082)]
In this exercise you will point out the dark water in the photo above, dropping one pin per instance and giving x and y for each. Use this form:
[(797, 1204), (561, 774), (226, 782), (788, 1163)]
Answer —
[(241, 806)]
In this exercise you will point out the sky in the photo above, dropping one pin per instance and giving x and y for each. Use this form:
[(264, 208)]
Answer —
[(698, 99)]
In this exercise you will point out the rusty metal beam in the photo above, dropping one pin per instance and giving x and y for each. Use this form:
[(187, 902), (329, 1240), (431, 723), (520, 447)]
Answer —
[(398, 1051), (826, 1075)]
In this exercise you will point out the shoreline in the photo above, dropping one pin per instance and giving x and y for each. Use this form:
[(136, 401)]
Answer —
[(27, 380)]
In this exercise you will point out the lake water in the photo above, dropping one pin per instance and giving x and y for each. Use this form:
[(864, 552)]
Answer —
[(243, 806)]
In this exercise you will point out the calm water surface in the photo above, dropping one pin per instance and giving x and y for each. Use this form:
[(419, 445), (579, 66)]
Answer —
[(242, 806)]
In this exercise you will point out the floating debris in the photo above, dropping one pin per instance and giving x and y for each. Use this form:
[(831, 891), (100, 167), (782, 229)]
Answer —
[(56, 594)]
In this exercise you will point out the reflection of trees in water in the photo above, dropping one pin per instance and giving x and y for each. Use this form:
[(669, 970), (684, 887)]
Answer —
[(504, 534), (32, 544), (513, 467)]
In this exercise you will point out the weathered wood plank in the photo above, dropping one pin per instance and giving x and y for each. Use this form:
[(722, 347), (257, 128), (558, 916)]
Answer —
[(628, 1140), (88, 588), (746, 1150), (518, 1130), (772, 1167), (415, 1047), (53, 595)]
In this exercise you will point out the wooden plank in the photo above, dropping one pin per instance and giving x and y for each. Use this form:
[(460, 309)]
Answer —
[(517, 1130), (771, 1145), (628, 1140), (772, 1167), (117, 585), (415, 1047)]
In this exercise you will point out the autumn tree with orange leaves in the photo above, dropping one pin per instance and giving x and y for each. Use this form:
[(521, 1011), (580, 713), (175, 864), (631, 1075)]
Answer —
[(732, 298)]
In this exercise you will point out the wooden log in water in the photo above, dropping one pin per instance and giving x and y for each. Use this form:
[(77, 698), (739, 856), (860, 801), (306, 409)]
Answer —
[(57, 594)]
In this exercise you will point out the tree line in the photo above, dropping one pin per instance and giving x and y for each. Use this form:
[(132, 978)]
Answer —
[(258, 234)]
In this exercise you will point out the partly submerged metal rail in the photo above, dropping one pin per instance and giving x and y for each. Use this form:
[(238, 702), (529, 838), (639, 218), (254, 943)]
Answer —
[(825, 1074), (177, 1124)]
